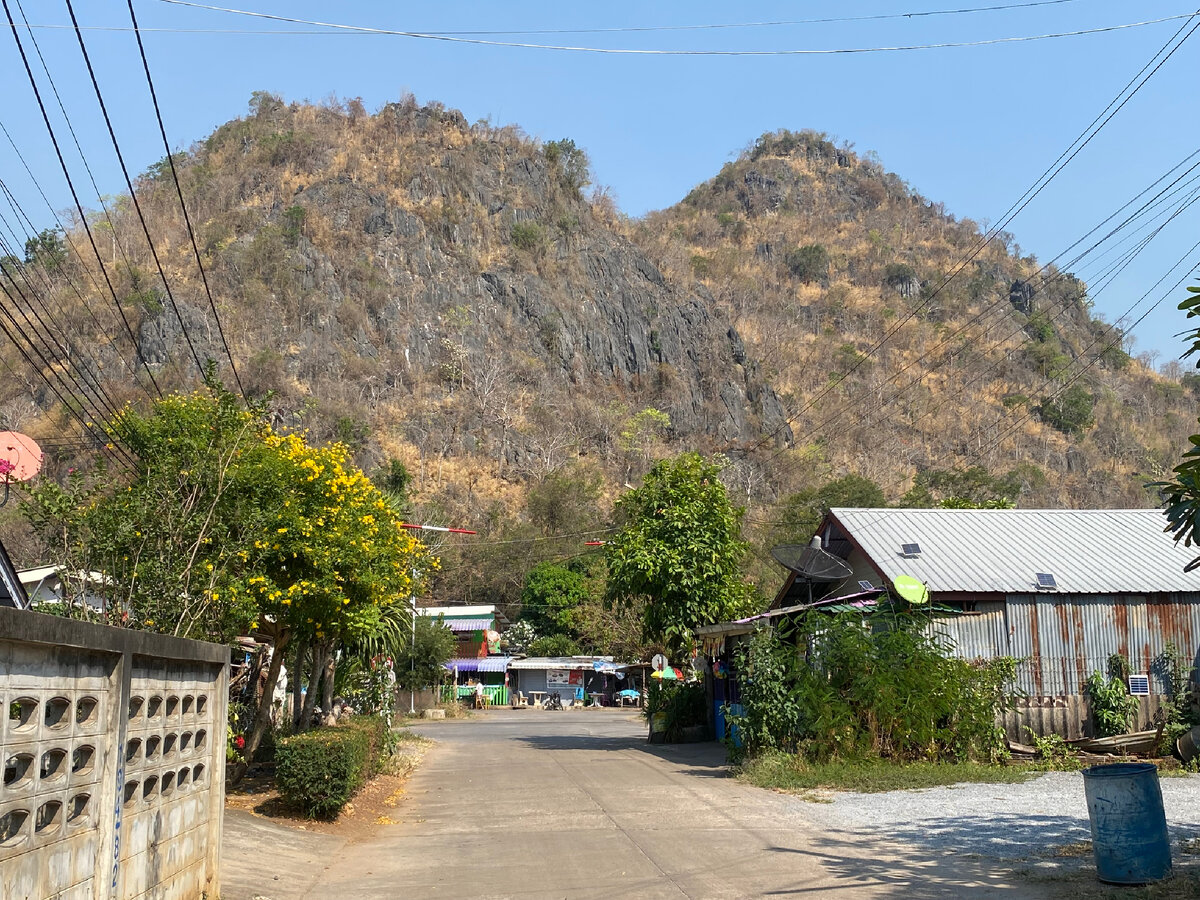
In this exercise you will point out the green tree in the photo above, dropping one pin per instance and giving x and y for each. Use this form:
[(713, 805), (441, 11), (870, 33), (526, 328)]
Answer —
[(802, 512), (223, 525), (808, 263), (421, 663), (48, 248), (572, 163), (1071, 412), (679, 550), (554, 645), (1182, 493), (553, 593)]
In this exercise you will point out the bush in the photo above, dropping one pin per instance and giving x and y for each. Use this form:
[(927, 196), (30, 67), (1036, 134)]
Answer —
[(319, 771), (810, 263), (683, 706), (1070, 413), (528, 236), (844, 688)]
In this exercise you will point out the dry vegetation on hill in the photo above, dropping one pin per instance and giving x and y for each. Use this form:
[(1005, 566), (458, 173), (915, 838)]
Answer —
[(445, 295)]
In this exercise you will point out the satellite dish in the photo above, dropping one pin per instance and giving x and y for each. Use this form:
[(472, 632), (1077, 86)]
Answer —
[(911, 589), (810, 564), (20, 455)]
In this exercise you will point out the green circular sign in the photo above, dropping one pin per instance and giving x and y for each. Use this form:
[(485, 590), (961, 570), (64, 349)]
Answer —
[(911, 589)]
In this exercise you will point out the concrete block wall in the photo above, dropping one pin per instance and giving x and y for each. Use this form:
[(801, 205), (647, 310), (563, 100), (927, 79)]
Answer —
[(113, 744)]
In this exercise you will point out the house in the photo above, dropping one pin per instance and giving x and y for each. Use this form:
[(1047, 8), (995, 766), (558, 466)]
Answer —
[(1061, 590), (573, 676), (45, 585), (476, 656)]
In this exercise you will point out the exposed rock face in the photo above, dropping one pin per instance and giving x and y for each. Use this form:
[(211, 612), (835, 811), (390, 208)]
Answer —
[(471, 257)]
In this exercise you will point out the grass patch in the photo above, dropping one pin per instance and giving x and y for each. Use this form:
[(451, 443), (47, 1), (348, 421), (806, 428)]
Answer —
[(793, 774)]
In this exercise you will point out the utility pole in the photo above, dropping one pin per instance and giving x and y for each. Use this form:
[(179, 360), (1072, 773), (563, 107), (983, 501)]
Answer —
[(412, 650)]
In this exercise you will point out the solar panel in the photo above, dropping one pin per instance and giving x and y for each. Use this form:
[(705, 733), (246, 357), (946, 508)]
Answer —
[(910, 549), (1046, 581), (1139, 685), (866, 585)]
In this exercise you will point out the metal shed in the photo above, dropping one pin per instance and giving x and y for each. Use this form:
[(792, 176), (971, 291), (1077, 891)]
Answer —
[(1060, 590)]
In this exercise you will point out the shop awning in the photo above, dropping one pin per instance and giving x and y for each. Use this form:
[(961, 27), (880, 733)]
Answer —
[(457, 625), (559, 662), (480, 664)]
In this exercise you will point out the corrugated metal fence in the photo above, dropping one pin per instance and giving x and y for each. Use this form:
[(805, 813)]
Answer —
[(1061, 639)]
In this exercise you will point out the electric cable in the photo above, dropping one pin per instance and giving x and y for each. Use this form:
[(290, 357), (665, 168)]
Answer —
[(1165, 194), (101, 397), (75, 138), (421, 35), (179, 192), (75, 196), (1030, 194), (30, 230), (133, 196)]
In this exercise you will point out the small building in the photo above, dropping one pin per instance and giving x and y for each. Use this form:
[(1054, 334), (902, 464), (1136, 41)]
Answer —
[(477, 649), (45, 585), (573, 677), (1060, 590)]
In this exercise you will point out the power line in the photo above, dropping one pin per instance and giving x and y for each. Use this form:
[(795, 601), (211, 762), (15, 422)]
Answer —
[(1119, 265), (133, 196), (74, 137), (618, 29), (1040, 184), (75, 196), (30, 230), (431, 36), (178, 190)]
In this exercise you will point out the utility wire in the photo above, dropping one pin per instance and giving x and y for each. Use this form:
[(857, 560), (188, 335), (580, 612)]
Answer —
[(133, 195), (75, 196), (179, 191), (103, 401), (69, 405), (75, 138), (30, 230), (1165, 194), (431, 36), (1040, 184), (625, 29)]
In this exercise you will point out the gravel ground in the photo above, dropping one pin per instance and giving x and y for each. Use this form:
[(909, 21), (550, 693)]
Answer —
[(1037, 820)]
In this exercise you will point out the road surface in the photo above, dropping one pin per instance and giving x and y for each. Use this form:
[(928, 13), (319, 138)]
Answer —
[(536, 804)]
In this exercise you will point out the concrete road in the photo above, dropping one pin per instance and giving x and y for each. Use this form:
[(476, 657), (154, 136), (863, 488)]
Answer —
[(575, 804)]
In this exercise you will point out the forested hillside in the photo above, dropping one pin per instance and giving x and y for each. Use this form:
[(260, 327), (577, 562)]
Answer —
[(494, 339)]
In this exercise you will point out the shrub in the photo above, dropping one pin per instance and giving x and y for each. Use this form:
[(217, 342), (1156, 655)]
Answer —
[(809, 263), (683, 706), (1071, 412), (319, 771), (845, 687), (528, 236)]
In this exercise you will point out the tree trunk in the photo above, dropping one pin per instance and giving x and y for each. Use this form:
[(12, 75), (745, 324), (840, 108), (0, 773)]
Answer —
[(320, 652), (298, 684), (327, 682), (262, 715)]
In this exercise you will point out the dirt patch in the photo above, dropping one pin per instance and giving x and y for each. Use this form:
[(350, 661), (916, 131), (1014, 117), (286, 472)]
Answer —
[(378, 804)]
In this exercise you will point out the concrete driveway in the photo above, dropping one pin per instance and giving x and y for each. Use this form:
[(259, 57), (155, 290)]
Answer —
[(526, 803)]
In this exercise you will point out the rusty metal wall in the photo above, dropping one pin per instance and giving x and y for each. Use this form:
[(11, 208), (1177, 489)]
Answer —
[(1064, 638)]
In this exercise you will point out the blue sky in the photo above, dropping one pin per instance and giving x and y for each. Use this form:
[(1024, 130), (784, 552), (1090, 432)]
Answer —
[(972, 127)]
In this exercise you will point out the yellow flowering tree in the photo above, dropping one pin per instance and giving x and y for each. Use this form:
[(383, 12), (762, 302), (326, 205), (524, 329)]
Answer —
[(223, 526)]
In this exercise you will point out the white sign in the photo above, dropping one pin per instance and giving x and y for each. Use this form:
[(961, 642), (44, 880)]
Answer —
[(659, 662), (558, 678)]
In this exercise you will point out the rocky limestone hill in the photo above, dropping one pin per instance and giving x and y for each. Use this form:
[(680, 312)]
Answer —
[(442, 294)]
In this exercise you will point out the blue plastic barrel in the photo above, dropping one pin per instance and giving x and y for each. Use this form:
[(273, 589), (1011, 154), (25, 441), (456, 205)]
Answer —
[(1129, 828)]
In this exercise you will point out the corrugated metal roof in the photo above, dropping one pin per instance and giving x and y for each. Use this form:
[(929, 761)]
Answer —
[(1002, 550), (479, 664), (558, 662), (457, 625)]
